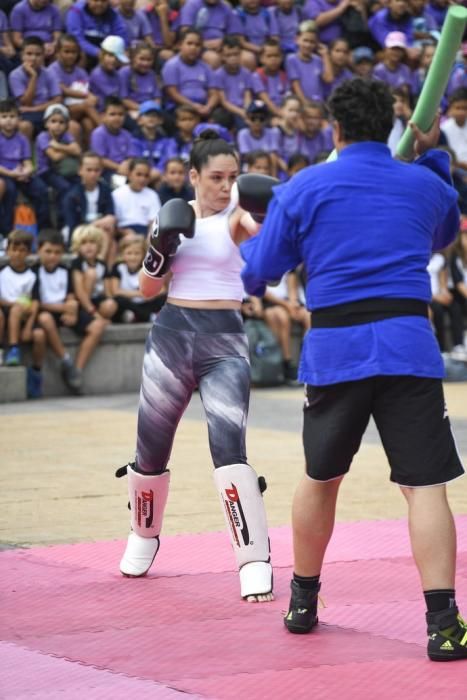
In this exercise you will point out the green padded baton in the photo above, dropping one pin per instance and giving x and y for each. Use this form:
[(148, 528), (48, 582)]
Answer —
[(437, 77)]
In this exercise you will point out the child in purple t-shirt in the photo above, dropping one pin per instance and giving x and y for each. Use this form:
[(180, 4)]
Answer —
[(339, 55), (36, 18), (392, 69), (138, 81), (16, 170), (234, 82), (136, 22), (111, 142), (57, 154), (288, 16), (288, 132), (186, 119), (74, 84), (257, 136), (316, 138), (104, 79), (307, 72), (7, 50), (257, 25), (187, 79), (163, 22), (270, 83), (150, 143)]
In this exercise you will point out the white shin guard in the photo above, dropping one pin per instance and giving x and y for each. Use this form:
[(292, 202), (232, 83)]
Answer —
[(245, 516), (148, 496)]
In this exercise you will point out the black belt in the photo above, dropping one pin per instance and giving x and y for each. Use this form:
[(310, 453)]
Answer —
[(356, 313)]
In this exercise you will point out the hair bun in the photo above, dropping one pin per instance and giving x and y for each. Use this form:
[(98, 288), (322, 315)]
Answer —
[(208, 135)]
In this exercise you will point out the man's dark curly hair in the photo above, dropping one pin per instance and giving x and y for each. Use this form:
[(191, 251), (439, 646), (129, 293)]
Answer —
[(363, 108)]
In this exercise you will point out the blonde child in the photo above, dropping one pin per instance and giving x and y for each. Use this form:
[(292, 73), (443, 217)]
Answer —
[(90, 280)]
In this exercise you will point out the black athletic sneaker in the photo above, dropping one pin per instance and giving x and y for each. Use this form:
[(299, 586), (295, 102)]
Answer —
[(303, 608), (447, 635)]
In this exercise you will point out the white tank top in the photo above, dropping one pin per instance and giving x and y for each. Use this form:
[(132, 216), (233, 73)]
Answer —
[(207, 266)]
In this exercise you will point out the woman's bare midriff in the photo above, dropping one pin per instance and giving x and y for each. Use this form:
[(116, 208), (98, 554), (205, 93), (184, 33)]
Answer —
[(206, 303)]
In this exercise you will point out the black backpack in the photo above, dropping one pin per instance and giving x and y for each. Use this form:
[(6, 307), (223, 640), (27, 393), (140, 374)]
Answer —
[(267, 367)]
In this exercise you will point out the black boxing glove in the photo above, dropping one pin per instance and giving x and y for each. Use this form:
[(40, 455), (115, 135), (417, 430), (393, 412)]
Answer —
[(255, 193), (175, 217)]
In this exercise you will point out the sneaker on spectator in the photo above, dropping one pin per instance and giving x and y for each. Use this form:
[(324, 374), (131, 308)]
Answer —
[(128, 316), (13, 357), (34, 383), (459, 352), (72, 376)]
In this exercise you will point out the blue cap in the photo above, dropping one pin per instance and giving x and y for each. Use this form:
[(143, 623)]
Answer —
[(149, 106), (220, 130), (362, 53)]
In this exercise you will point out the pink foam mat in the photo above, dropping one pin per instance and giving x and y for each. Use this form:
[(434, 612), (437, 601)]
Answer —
[(72, 627)]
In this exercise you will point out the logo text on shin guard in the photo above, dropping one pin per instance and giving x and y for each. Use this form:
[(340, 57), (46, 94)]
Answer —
[(145, 508), (235, 516)]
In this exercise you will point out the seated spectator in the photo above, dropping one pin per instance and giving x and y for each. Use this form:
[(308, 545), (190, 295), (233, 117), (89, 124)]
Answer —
[(57, 155), (214, 19), (104, 79), (257, 135), (19, 304), (188, 80), (307, 72), (124, 281), (90, 22), (234, 82), (7, 50), (174, 182), (459, 73), (270, 82), (111, 141), (58, 308), (362, 58), (458, 269), (259, 162), (138, 81), (402, 115), (419, 75), (459, 178), (91, 283), (392, 69), (317, 138), (289, 136), (444, 304), (33, 87), (136, 22), (74, 84), (393, 18), (39, 18), (297, 162), (455, 126), (423, 24), (164, 23), (90, 202), (354, 25), (16, 170), (150, 142), (326, 15), (437, 9), (339, 56), (186, 119), (136, 205), (257, 24), (288, 16)]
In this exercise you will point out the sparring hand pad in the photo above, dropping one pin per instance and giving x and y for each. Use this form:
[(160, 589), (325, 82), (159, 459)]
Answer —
[(254, 194)]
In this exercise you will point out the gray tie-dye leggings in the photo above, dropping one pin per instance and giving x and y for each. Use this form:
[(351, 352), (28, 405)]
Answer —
[(188, 348)]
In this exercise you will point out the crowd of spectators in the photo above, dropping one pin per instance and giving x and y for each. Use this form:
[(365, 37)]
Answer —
[(100, 101)]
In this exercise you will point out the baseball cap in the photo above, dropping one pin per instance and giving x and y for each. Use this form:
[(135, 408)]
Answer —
[(257, 107), (395, 40), (57, 109), (362, 53), (149, 106), (116, 46)]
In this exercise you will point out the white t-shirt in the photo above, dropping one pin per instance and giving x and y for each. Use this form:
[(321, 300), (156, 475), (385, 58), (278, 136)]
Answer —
[(138, 208), (15, 284), (436, 264), (457, 138), (91, 198)]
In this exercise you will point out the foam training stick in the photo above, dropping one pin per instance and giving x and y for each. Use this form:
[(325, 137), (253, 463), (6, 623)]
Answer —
[(437, 77)]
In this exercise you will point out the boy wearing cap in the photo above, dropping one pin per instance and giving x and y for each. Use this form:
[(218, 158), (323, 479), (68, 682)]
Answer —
[(104, 79), (149, 141), (257, 136), (36, 18), (33, 87), (391, 69), (363, 61), (16, 170), (57, 154), (393, 18), (90, 22)]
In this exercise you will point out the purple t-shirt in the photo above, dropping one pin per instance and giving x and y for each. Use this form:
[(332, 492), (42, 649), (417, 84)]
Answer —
[(213, 21), (3, 26), (312, 145), (331, 31), (116, 147), (288, 144), (40, 23), (155, 25), (157, 152), (287, 25), (47, 86), (308, 73), (43, 163), (14, 150), (257, 27), (395, 78), (438, 13), (381, 23), (66, 77), (345, 74), (246, 142), (234, 85), (138, 86), (277, 86), (137, 26), (192, 81), (103, 83), (458, 79)]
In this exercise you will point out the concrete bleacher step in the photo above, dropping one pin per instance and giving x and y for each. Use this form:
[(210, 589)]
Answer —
[(12, 384)]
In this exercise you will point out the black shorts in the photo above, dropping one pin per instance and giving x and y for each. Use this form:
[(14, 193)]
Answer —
[(411, 418), (84, 319)]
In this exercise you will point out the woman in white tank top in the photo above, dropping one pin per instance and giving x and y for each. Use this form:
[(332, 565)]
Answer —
[(198, 341)]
